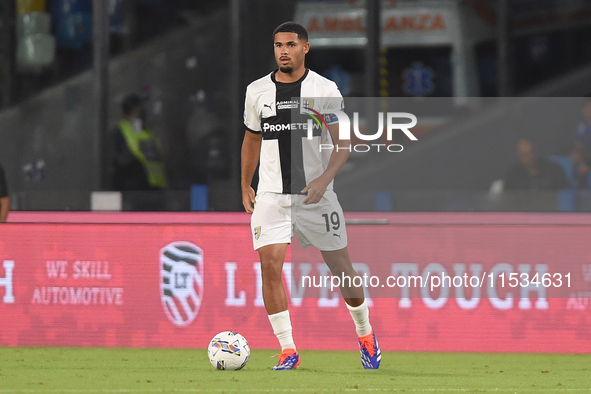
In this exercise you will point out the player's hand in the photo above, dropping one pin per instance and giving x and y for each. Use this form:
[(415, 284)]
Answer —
[(315, 190), (248, 199)]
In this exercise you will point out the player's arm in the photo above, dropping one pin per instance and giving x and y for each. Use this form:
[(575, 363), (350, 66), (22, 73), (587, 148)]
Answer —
[(4, 208), (338, 158), (251, 151)]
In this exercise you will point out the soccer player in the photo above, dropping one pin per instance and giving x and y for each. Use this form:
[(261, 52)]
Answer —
[(307, 186)]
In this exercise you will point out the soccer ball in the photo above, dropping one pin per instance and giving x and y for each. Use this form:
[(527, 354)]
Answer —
[(228, 350)]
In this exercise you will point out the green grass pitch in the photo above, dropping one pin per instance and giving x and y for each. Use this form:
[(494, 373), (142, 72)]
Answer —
[(98, 370)]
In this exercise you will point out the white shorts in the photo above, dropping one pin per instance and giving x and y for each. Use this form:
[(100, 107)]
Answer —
[(277, 217)]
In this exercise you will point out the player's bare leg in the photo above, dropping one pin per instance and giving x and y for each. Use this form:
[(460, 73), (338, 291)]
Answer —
[(272, 258), (340, 265)]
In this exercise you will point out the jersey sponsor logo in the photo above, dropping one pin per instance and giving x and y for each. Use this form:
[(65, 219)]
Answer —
[(268, 127), (181, 271), (288, 104)]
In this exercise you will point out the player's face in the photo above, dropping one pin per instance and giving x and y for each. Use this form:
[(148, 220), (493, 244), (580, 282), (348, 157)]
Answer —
[(290, 52)]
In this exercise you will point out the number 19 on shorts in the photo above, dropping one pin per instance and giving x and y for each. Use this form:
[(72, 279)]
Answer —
[(332, 221)]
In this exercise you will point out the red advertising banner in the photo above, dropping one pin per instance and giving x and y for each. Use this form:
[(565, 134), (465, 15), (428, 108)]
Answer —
[(176, 285)]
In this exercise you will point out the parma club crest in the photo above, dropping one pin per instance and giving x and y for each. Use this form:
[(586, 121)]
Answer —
[(181, 272)]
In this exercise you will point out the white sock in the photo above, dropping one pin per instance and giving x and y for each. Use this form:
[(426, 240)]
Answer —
[(281, 324), (360, 315)]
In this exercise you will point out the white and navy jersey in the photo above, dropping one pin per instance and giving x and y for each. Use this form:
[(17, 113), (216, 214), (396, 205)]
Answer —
[(289, 161)]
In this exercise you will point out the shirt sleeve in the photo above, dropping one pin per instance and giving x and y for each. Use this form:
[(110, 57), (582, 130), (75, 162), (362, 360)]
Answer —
[(252, 120), (334, 100)]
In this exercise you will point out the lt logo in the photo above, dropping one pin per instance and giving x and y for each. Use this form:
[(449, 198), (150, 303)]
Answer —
[(181, 284), (180, 280)]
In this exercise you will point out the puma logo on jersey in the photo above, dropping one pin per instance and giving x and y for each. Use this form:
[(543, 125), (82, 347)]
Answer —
[(270, 106), (336, 235)]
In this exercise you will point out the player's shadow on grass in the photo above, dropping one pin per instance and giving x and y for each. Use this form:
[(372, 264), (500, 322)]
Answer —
[(383, 371)]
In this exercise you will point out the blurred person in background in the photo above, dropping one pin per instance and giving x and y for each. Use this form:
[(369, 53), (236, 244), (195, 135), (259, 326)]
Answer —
[(581, 154), (4, 199), (138, 162), (532, 172)]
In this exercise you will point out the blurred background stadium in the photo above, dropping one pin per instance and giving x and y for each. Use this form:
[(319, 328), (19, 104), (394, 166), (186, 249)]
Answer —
[(67, 65), (483, 76)]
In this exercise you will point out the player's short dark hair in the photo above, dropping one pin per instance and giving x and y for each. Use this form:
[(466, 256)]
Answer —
[(292, 27), (130, 103)]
